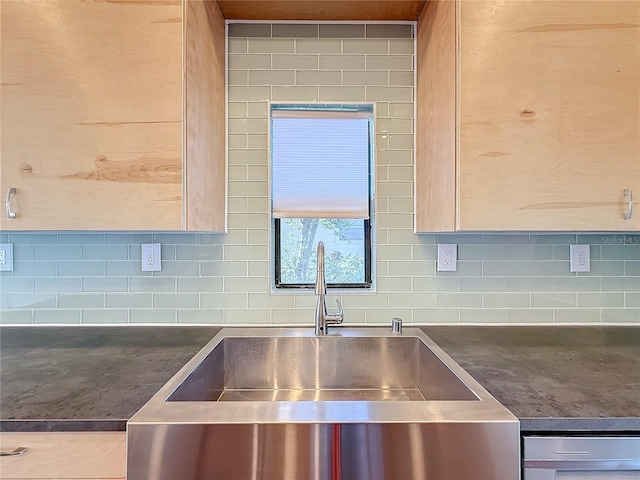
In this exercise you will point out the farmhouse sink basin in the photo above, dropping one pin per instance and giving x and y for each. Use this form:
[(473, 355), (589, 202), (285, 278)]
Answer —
[(276, 403)]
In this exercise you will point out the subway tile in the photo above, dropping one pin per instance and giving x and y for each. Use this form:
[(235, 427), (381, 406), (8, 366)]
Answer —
[(125, 269), (389, 30), (506, 300), (237, 173), (550, 269), (401, 110), (400, 205), (506, 239), (238, 78), (236, 141), (411, 268), (224, 300), (576, 284), (210, 316), (176, 300), (404, 79), (530, 284), (390, 62), (360, 77), (104, 284), (57, 285), (529, 252), (108, 316), (248, 157), (225, 268), (22, 253), (598, 239), (317, 77), (129, 300), (32, 300), (483, 284), (82, 268), (199, 252), (395, 189), (236, 205), (553, 239), (202, 284), (600, 300), (16, 285), (401, 174), (396, 220), (284, 61), (561, 252), (401, 46), (373, 300), (632, 300), (581, 315), (295, 94), (57, 252), (249, 30), (381, 110), (554, 300), (105, 252), (211, 238), (400, 141), (248, 125), (605, 268), (525, 315), (342, 30), (16, 317), (394, 284), (618, 252), (459, 238), (620, 284), (341, 62), (389, 94), (81, 238), (321, 45), (249, 62), (383, 317), (295, 30), (81, 300), (486, 315), (621, 315), (435, 284), (266, 300), (394, 125), (632, 238), (410, 300), (257, 172), (405, 236), (632, 268), (465, 269), (246, 252), (247, 317), (248, 189), (178, 268), (366, 46), (236, 45), (308, 301), (427, 316), (129, 238), (394, 252), (56, 316), (272, 77), (152, 315), (246, 285), (505, 269), (33, 238), (481, 252), (394, 157), (342, 93), (257, 109), (249, 94), (459, 300), (274, 45), (258, 268), (153, 284)]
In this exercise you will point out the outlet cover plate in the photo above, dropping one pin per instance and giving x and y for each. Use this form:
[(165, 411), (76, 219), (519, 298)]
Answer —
[(447, 257), (151, 257), (6, 257), (580, 258)]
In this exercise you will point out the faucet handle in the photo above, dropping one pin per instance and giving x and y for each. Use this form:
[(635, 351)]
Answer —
[(336, 318), (340, 312)]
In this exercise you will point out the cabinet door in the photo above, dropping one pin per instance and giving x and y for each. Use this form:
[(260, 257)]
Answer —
[(64, 455), (92, 114), (549, 113)]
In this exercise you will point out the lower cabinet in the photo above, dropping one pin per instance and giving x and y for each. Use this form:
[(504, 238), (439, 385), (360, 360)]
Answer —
[(64, 455)]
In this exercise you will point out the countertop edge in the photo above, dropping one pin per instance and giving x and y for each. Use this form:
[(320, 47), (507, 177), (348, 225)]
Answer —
[(24, 426)]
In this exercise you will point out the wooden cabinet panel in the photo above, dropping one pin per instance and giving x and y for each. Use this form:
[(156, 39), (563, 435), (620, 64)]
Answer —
[(64, 455), (92, 114), (548, 118), (99, 130)]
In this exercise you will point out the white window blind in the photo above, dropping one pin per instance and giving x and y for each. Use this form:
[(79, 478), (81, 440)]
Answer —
[(320, 164)]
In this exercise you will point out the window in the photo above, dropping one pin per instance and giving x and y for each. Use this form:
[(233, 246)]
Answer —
[(321, 190)]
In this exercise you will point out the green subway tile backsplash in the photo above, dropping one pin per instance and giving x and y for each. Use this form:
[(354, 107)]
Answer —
[(511, 278)]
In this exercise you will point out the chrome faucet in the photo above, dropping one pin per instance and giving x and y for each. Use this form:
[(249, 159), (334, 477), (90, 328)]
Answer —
[(324, 319)]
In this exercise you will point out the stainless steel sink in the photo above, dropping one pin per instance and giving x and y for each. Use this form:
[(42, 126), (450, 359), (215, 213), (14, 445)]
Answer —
[(357, 404)]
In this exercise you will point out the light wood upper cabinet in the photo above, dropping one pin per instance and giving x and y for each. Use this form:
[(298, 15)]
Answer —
[(547, 126), (95, 101)]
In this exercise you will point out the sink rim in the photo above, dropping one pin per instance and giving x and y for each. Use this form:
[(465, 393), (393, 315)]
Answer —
[(158, 410)]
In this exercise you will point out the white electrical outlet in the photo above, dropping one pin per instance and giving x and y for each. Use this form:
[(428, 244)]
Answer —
[(6, 257), (151, 257), (447, 257), (580, 258)]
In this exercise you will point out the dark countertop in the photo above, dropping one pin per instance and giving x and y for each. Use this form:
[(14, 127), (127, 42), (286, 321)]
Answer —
[(87, 378), (564, 379), (570, 379)]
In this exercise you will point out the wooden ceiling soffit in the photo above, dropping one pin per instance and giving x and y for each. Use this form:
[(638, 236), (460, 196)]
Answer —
[(322, 10)]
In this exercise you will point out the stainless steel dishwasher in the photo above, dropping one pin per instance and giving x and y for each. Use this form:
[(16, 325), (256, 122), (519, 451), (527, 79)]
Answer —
[(581, 458)]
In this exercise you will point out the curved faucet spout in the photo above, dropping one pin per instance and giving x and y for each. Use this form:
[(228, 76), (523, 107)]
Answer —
[(323, 318)]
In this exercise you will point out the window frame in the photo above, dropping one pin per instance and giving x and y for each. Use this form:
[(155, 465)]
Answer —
[(367, 222)]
